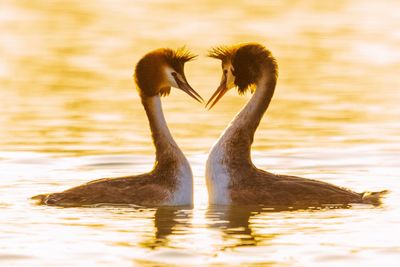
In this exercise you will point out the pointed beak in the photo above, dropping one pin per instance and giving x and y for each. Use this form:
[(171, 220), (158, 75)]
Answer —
[(219, 93), (184, 86)]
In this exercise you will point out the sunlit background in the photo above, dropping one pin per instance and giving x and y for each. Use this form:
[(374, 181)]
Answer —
[(70, 114)]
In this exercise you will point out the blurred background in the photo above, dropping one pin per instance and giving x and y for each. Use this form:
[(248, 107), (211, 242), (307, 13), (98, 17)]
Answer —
[(69, 113)]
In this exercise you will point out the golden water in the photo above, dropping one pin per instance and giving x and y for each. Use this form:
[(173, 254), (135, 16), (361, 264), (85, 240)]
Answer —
[(70, 114)]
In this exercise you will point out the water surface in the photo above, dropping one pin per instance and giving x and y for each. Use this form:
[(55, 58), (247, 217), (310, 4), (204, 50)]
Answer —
[(70, 114)]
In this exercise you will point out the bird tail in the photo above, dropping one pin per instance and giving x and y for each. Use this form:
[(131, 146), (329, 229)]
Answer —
[(374, 198), (40, 199)]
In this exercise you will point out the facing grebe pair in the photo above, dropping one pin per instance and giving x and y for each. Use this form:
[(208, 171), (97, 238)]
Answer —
[(231, 176)]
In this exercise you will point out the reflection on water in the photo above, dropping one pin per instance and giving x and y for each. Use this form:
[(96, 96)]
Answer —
[(70, 114), (167, 221), (235, 225)]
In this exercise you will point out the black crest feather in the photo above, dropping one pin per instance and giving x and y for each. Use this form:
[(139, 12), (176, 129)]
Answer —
[(223, 53), (177, 58)]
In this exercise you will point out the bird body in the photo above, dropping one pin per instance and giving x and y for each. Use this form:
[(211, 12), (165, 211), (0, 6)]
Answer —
[(231, 176), (170, 182)]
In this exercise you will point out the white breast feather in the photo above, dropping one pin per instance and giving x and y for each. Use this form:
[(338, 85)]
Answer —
[(217, 176), (183, 194)]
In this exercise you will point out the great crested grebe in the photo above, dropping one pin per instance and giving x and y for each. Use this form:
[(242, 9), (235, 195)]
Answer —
[(231, 176), (171, 180)]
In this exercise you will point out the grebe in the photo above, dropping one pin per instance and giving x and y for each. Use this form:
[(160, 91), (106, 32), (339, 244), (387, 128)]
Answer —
[(231, 176), (171, 180)]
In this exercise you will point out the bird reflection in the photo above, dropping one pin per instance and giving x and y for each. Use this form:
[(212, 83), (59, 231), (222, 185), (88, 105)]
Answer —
[(234, 224), (167, 220), (239, 226)]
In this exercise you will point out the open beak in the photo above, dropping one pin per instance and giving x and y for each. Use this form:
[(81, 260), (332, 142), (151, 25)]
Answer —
[(219, 93), (184, 86)]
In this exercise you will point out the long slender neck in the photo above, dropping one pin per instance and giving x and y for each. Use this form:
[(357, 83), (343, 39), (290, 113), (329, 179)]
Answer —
[(241, 130), (166, 148)]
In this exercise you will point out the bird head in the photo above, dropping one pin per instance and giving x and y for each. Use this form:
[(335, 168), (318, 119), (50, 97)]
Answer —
[(161, 69), (242, 67)]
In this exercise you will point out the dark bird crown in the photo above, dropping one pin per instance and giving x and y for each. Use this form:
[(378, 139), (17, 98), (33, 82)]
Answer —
[(248, 61), (177, 58), (150, 70)]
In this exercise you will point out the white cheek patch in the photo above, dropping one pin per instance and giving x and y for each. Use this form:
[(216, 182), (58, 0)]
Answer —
[(230, 81), (230, 78), (170, 79)]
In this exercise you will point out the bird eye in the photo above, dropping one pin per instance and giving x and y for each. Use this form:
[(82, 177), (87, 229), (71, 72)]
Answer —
[(173, 74), (225, 72)]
